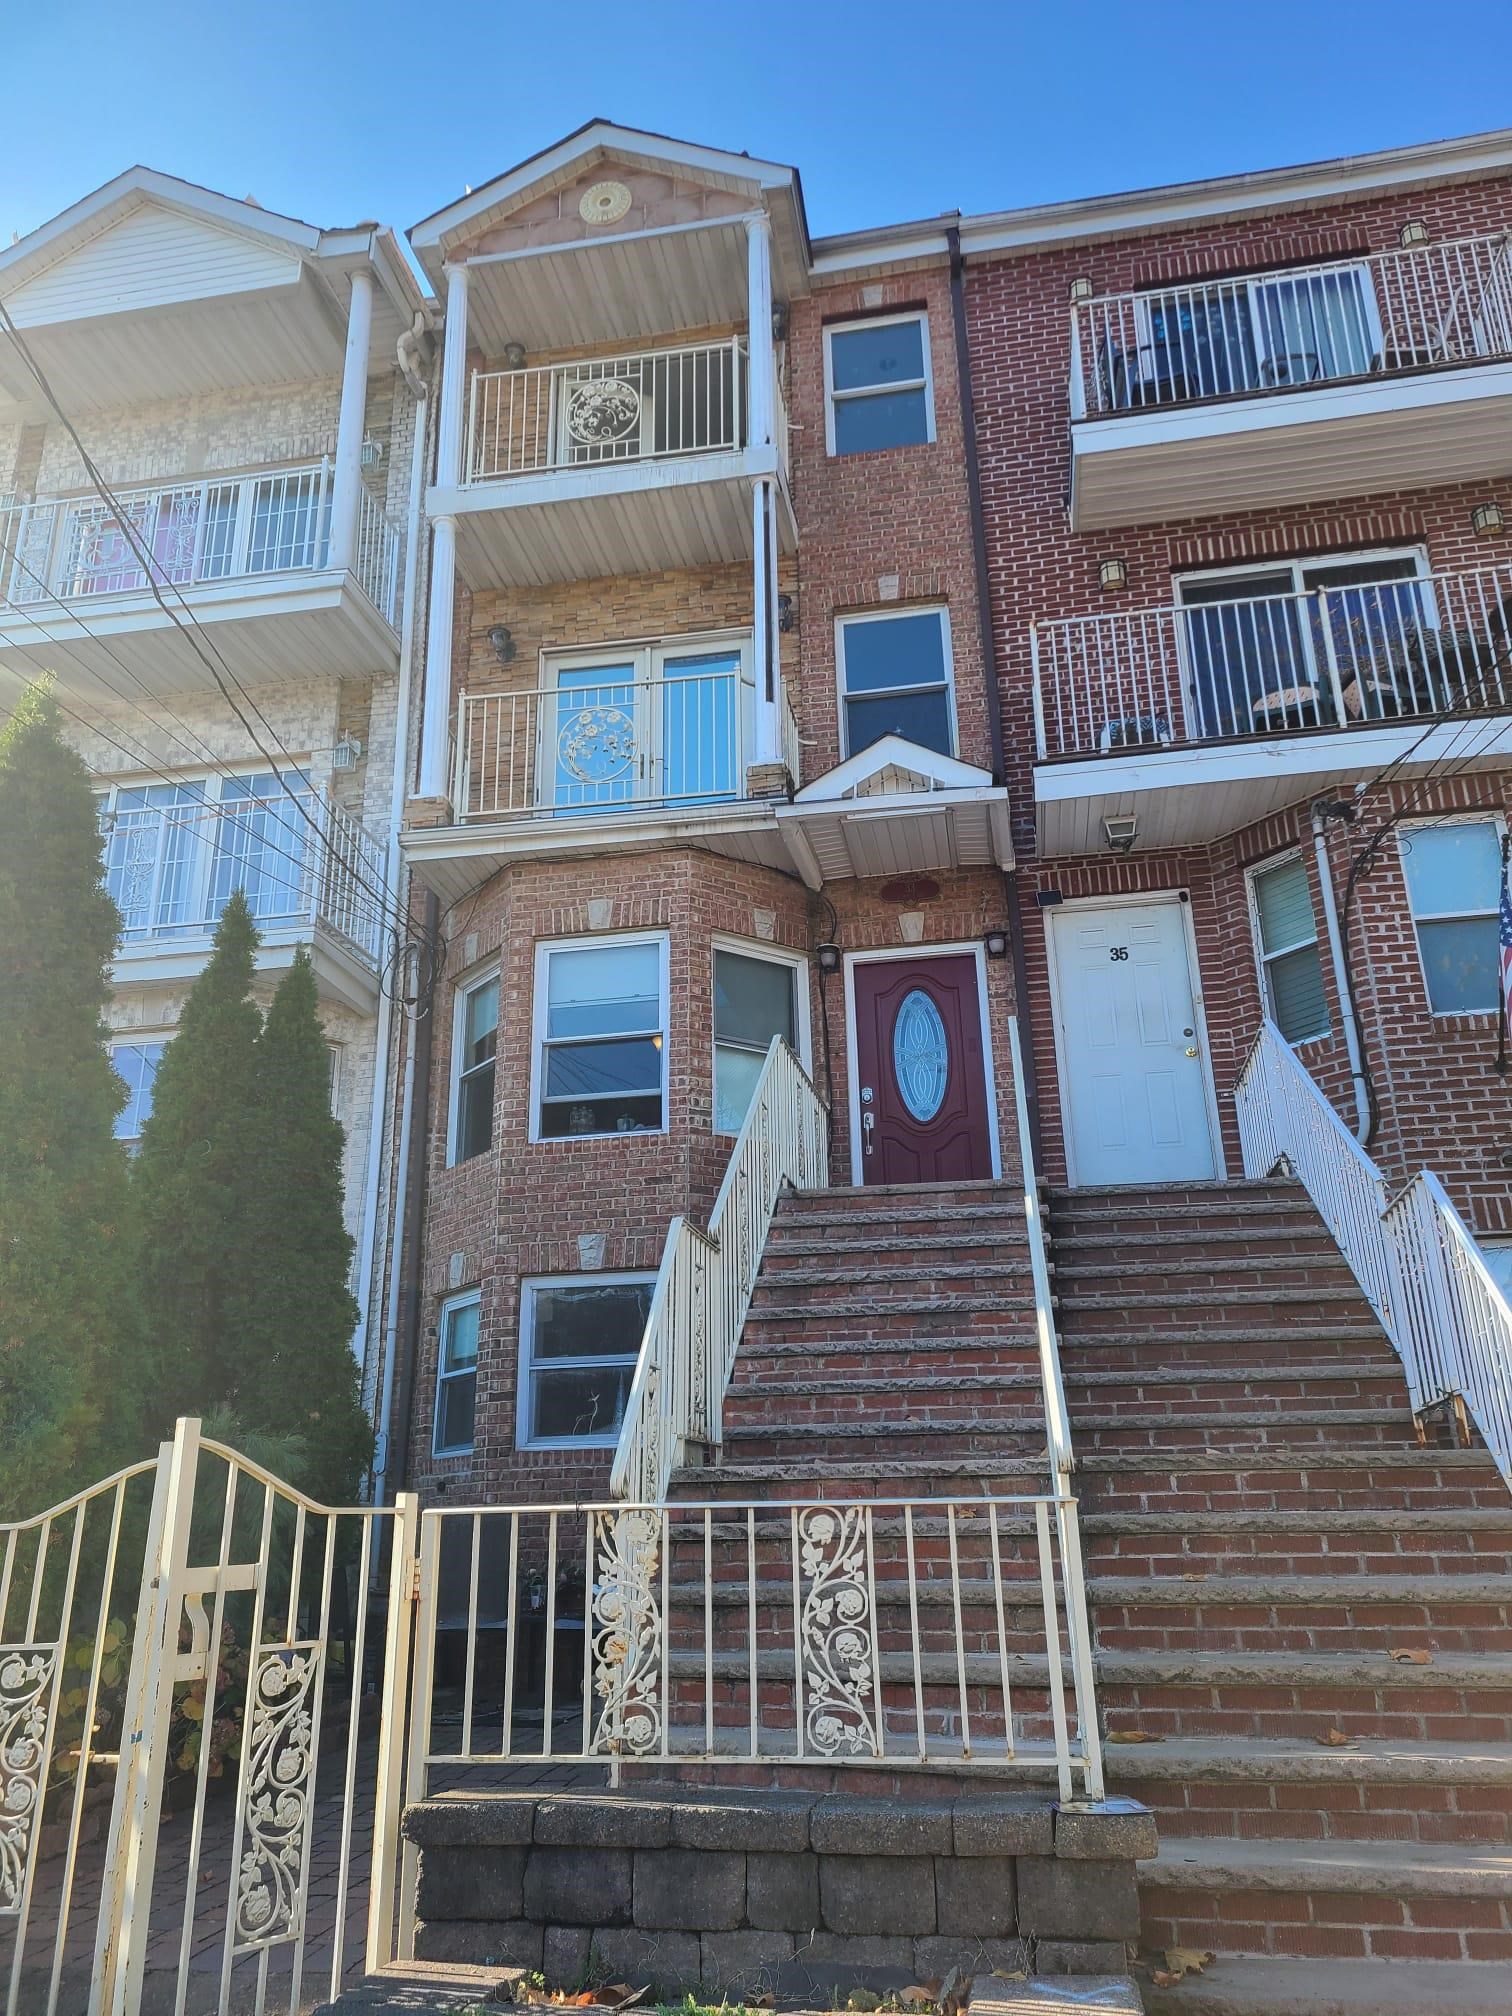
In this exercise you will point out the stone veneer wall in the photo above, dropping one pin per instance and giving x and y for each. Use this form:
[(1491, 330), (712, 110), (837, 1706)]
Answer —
[(776, 1891)]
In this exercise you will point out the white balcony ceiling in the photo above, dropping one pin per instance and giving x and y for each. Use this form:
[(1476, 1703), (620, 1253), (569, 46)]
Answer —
[(1188, 797), (896, 809), (1293, 447), (609, 290)]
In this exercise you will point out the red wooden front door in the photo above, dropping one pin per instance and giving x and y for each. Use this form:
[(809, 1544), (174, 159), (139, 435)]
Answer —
[(922, 1076)]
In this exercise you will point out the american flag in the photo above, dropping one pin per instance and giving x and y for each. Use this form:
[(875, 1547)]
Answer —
[(1506, 945)]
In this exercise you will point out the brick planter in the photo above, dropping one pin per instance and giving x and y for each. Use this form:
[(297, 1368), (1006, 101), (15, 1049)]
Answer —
[(771, 1890)]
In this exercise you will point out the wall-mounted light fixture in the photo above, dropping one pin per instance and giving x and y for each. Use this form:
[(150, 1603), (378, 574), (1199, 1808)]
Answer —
[(1081, 290), (347, 753), (1487, 520), (1120, 829), (1112, 574), (501, 638), (514, 356), (779, 321), (828, 957), (995, 944), (785, 615), (1413, 232)]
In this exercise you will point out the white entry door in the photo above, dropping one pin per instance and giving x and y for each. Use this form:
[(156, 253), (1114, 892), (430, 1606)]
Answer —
[(1133, 1077)]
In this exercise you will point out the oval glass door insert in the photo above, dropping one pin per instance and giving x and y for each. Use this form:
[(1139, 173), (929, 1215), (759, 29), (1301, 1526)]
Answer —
[(921, 1055)]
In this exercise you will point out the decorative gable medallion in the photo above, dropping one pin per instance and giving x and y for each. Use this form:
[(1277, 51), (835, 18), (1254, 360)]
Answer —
[(604, 203)]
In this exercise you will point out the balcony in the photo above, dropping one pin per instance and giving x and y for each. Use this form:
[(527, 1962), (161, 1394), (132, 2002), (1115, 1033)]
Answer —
[(175, 852), (1204, 715), (248, 556), (610, 465), (1391, 371)]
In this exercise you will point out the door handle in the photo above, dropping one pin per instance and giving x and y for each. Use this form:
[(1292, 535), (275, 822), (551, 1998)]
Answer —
[(868, 1122), (1191, 1050)]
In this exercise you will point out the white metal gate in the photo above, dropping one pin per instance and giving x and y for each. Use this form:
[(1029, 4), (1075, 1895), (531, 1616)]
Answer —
[(214, 1658)]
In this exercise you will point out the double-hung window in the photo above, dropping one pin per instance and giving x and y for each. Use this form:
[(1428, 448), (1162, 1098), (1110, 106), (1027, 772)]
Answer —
[(136, 1066), (457, 1375), (474, 1045), (601, 1037), (755, 999), (895, 679), (1286, 944), (1453, 876), (580, 1336), (879, 392)]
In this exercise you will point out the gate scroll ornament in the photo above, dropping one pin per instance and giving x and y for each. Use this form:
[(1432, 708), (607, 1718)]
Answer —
[(279, 1789), (626, 1625), (26, 1678), (835, 1632)]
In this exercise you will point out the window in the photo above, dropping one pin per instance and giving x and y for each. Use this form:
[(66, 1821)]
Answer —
[(601, 1032), (878, 385), (474, 1044), (895, 679), (755, 999), (136, 1065), (1454, 887), (1286, 941), (457, 1375), (651, 723), (579, 1339)]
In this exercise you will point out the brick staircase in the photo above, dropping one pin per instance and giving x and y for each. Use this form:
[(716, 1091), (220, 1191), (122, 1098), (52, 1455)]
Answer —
[(1263, 1529)]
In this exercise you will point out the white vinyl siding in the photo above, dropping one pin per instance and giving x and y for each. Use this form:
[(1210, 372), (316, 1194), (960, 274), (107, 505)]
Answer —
[(150, 259), (1286, 944)]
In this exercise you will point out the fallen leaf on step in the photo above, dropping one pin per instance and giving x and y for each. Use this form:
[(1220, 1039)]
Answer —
[(1410, 1655), (1010, 1974), (1192, 1575), (1164, 1978), (1182, 1960), (1133, 1736), (1334, 1740), (916, 1998)]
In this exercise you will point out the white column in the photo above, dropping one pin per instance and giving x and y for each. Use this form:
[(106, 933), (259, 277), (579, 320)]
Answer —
[(435, 721), (346, 484), (450, 421), (763, 360)]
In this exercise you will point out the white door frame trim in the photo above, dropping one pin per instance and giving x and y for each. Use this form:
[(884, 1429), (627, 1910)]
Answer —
[(913, 954), (1130, 898)]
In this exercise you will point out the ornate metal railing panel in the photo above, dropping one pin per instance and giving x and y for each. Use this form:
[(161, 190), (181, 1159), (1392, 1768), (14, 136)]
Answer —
[(1413, 1255)]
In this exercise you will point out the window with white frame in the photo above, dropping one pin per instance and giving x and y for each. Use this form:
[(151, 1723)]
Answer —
[(457, 1374), (601, 1037), (1286, 945), (1453, 874), (894, 670), (755, 999), (637, 723), (879, 391), (580, 1336), (473, 1049), (136, 1065)]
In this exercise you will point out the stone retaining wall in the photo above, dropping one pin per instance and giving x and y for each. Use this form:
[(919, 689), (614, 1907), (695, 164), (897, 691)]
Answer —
[(776, 1891)]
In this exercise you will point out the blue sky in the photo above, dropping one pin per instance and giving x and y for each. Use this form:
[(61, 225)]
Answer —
[(344, 109)]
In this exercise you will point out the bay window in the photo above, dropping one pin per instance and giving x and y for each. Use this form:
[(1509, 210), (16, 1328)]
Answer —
[(601, 1037), (474, 1045), (755, 999), (457, 1375)]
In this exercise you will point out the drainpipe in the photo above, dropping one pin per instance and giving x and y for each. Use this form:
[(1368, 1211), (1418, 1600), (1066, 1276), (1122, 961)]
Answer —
[(989, 661), (1341, 972), (402, 1332), (394, 879)]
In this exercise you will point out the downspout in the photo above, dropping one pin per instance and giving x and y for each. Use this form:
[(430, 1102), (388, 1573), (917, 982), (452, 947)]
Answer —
[(407, 1272), (989, 663), (393, 864), (1341, 974)]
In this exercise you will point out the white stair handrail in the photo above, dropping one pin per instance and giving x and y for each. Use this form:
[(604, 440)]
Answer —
[(703, 1287), (1413, 1255)]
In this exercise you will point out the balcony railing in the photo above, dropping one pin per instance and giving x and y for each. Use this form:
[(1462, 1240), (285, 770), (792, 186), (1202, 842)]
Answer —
[(211, 529), (175, 854), (647, 405), (603, 744), (1222, 338), (1335, 657)]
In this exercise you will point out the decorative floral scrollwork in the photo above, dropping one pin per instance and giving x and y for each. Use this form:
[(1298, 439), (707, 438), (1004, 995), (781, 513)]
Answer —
[(279, 1782), (836, 1632), (26, 1677), (699, 1342), (597, 745), (627, 1633), (602, 411)]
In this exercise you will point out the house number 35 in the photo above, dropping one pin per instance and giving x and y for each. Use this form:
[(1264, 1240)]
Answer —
[(1118, 952)]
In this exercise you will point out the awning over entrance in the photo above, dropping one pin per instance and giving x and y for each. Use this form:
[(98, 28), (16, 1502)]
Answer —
[(894, 809)]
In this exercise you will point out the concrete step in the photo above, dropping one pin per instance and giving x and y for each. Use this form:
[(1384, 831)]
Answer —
[(1268, 1232), (1303, 1613), (1315, 1987), (1379, 1900), (888, 1245), (994, 1278), (1424, 1543)]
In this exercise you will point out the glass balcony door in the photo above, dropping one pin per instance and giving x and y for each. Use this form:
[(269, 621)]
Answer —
[(1223, 337), (662, 724)]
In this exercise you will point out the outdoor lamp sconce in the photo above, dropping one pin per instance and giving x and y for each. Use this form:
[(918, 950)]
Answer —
[(779, 322), (785, 617), (1081, 290), (1112, 574), (995, 944), (1487, 520), (828, 957), (514, 356), (502, 640), (1413, 233), (1120, 830)]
